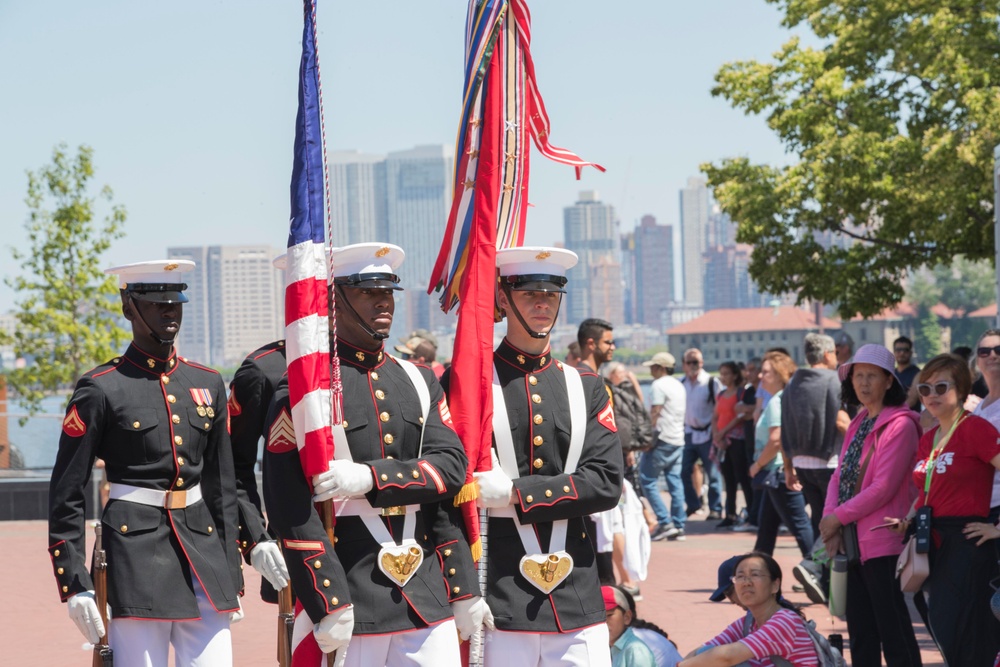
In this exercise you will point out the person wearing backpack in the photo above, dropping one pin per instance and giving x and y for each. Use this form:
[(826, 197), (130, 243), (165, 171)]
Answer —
[(701, 389), (773, 633)]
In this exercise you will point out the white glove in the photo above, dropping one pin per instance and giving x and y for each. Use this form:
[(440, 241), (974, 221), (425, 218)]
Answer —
[(470, 614), (495, 487), (344, 479), (266, 558), (334, 631), (83, 611), (236, 616)]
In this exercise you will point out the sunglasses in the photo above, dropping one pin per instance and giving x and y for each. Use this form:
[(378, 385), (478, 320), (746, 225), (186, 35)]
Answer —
[(692, 363), (985, 351), (902, 349), (939, 388)]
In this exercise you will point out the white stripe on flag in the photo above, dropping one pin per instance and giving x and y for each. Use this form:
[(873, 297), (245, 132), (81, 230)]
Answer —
[(305, 336), (312, 412), (305, 260)]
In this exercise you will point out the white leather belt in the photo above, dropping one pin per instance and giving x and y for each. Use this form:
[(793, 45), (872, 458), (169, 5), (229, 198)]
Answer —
[(363, 508), (171, 500)]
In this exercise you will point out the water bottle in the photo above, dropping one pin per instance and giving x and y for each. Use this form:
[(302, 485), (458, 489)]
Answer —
[(838, 586)]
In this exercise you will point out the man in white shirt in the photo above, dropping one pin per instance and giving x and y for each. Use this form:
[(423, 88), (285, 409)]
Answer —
[(668, 406), (701, 390)]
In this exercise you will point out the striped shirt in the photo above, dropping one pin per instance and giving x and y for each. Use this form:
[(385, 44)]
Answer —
[(784, 635)]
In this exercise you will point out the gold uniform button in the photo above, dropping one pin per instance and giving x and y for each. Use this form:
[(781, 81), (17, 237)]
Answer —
[(317, 564), (416, 475), (165, 379), (532, 380), (116, 360), (326, 583), (335, 539), (180, 481), (456, 590), (61, 571), (176, 419), (207, 425), (384, 416), (451, 572), (537, 463), (583, 536), (529, 499), (178, 440), (244, 544), (56, 553), (379, 394), (548, 493), (389, 457), (447, 552), (388, 438), (65, 589), (537, 440), (171, 363), (124, 528), (210, 529), (399, 475), (334, 601), (345, 423), (375, 375), (420, 420), (536, 398), (136, 424), (538, 419), (566, 489), (383, 477), (171, 398), (180, 460)]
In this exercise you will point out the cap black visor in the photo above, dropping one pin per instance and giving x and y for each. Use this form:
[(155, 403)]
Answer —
[(158, 292), (536, 283), (369, 281)]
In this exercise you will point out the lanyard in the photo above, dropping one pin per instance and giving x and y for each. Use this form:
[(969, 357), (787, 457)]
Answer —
[(939, 445)]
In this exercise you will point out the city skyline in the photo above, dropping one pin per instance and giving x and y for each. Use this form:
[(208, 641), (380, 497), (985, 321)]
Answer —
[(196, 142)]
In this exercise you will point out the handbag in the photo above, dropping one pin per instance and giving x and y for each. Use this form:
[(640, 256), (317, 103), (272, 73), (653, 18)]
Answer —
[(768, 479), (849, 532), (912, 568)]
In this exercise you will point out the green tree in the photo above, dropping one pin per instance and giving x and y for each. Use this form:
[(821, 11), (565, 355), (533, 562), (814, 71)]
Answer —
[(67, 313), (890, 123)]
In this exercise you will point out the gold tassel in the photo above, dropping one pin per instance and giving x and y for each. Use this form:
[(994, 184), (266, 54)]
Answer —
[(468, 493), (477, 550)]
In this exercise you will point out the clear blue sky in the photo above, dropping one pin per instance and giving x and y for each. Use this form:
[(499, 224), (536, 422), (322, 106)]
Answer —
[(189, 106)]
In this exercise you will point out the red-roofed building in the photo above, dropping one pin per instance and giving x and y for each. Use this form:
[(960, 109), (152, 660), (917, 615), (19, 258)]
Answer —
[(901, 320), (737, 334)]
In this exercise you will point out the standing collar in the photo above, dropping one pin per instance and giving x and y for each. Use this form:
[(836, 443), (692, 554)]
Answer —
[(151, 363), (356, 356), (522, 361)]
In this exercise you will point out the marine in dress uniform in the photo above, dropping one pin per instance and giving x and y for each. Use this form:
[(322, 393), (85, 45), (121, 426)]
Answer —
[(170, 527), (387, 494), (537, 514), (250, 394)]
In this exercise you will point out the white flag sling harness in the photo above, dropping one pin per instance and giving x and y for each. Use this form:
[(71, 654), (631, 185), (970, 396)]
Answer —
[(543, 570), (397, 560)]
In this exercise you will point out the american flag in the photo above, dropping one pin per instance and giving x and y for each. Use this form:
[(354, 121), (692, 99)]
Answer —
[(314, 399)]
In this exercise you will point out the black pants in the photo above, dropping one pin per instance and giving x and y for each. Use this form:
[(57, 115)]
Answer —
[(814, 482), (736, 474), (877, 618), (783, 506), (604, 560)]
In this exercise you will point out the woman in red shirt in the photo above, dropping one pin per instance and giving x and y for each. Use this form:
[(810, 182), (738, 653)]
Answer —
[(954, 477), (727, 436)]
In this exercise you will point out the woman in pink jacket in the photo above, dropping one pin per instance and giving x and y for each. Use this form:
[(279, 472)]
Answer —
[(874, 481)]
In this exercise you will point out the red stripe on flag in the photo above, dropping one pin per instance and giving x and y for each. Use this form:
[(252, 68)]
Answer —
[(316, 366), (313, 452), (305, 297)]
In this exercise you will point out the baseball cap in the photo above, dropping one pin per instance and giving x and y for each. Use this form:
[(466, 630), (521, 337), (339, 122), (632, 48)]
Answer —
[(410, 346), (664, 359), (613, 597), (726, 571)]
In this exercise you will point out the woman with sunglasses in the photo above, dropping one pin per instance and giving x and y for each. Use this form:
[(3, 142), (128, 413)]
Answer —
[(956, 462), (772, 626), (873, 481), (988, 363)]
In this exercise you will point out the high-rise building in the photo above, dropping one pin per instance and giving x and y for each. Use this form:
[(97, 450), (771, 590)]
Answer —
[(590, 229), (654, 272), (418, 197), (606, 288), (357, 197), (727, 279), (694, 200), (236, 302)]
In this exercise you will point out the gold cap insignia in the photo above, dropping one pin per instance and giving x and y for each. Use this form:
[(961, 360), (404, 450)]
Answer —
[(382, 252), (170, 267), (545, 254)]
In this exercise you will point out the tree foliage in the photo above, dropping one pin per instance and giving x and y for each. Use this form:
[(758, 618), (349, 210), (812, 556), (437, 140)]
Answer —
[(890, 123), (67, 312)]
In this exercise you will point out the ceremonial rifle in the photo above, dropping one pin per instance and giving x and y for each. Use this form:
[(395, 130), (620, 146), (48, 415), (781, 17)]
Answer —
[(103, 655), (286, 621)]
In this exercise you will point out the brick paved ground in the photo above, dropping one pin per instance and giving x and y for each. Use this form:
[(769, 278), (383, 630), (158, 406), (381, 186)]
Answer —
[(36, 630)]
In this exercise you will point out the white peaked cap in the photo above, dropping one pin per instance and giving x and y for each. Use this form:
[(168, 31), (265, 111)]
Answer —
[(157, 272), (353, 264), (280, 262), (535, 260)]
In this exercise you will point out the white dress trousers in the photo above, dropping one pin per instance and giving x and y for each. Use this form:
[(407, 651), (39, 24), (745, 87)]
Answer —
[(588, 647), (204, 642), (436, 645)]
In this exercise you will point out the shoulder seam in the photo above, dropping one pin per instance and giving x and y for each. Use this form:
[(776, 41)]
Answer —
[(198, 366)]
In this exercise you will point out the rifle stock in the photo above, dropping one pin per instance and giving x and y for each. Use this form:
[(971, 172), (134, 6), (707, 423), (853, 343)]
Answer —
[(103, 655), (327, 511)]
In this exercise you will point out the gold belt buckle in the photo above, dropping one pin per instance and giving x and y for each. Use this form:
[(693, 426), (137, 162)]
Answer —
[(175, 500), (398, 510)]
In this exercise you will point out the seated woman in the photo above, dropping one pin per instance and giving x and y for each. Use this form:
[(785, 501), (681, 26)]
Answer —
[(777, 628), (627, 650), (656, 638)]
